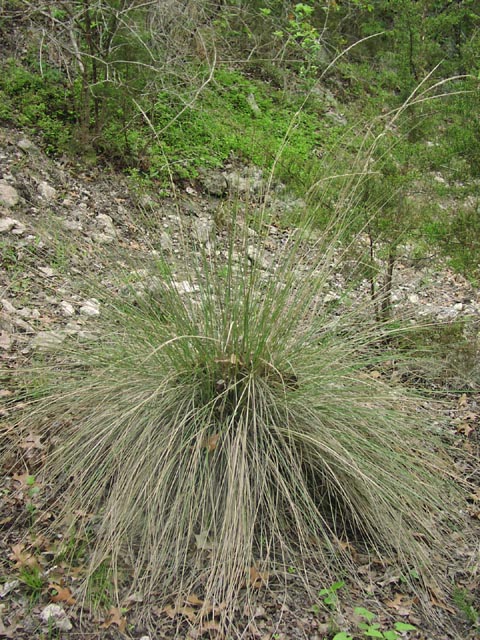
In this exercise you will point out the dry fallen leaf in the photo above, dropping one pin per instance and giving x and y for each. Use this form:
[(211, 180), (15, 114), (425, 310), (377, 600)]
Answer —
[(199, 632), (463, 400), (26, 480), (441, 605), (21, 557), (75, 572), (211, 443), (258, 579), (188, 612), (401, 603), (32, 442), (194, 600), (63, 594), (169, 610), (211, 625), (347, 547), (39, 541), (465, 428), (116, 617)]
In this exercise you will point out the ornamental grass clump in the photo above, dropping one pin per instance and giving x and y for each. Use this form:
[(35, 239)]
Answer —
[(217, 432)]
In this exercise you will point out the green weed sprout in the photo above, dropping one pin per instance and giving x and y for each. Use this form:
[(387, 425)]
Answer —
[(371, 629)]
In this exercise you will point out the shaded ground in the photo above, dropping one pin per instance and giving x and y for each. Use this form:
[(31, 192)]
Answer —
[(60, 227)]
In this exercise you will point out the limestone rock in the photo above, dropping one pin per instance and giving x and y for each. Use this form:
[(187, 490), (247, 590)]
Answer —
[(90, 308), (8, 195), (46, 191), (203, 229), (48, 339), (215, 184), (72, 225), (7, 224), (105, 222), (103, 238), (8, 306), (53, 613), (26, 145), (166, 242), (67, 309)]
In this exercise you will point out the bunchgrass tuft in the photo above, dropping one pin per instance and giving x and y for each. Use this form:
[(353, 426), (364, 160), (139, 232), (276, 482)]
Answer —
[(215, 431), (214, 434)]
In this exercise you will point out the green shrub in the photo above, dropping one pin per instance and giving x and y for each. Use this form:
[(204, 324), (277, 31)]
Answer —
[(38, 103), (457, 235)]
